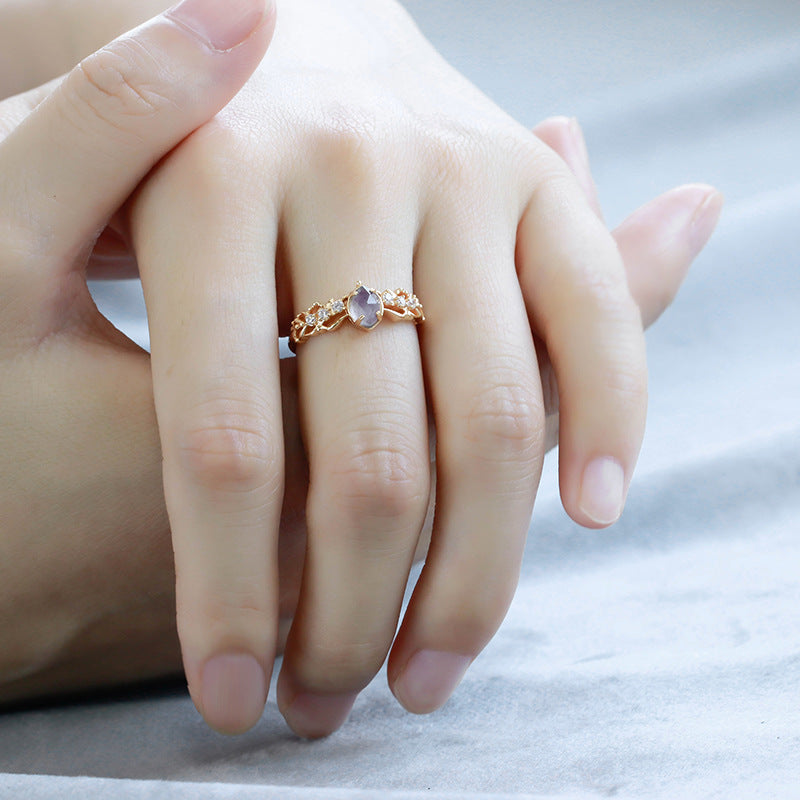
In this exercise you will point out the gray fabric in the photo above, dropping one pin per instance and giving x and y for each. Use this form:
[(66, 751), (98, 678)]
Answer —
[(35, 788), (660, 659)]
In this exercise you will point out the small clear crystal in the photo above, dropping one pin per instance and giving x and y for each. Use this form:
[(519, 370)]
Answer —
[(311, 319), (401, 301), (323, 314), (337, 306)]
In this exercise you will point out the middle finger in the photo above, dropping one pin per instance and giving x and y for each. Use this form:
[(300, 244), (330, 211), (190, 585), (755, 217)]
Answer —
[(216, 388)]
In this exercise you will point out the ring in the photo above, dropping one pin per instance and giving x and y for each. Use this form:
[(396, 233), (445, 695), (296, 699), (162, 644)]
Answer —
[(364, 307)]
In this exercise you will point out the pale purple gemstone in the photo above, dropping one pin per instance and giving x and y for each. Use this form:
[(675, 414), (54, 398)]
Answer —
[(367, 304)]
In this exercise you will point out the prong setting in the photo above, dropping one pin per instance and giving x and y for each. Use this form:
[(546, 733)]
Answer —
[(365, 308)]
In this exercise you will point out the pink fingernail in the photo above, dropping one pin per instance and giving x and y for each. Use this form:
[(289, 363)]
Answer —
[(578, 160), (579, 141), (428, 680), (223, 24), (602, 493), (704, 220), (233, 692), (313, 715)]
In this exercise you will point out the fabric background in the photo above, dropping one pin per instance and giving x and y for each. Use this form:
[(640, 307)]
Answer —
[(661, 658)]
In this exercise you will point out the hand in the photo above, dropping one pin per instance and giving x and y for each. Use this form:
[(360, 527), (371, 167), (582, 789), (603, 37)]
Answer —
[(66, 166), (357, 153), (104, 510)]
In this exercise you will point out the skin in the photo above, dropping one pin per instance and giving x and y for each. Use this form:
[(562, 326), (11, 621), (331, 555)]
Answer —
[(504, 212), (105, 634)]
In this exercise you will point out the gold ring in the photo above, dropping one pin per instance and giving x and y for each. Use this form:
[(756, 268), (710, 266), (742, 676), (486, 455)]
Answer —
[(363, 307)]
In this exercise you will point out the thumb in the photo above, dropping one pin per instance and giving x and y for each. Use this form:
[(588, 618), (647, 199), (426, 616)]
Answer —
[(83, 150)]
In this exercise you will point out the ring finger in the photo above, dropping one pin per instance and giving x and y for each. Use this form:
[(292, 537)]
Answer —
[(365, 428)]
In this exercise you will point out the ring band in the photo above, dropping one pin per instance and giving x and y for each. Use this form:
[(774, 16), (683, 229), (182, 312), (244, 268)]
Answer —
[(363, 307)]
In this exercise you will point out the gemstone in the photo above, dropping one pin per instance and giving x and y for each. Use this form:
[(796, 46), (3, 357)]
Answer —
[(310, 319), (337, 306), (401, 301), (388, 297), (366, 304), (323, 314)]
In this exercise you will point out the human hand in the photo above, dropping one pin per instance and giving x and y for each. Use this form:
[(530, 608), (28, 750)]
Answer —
[(66, 166), (357, 153), (657, 243), (68, 519)]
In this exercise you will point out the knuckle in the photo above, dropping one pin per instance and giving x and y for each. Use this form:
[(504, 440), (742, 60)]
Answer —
[(628, 382), (216, 156), (487, 156), (605, 290), (339, 666), (595, 288), (530, 158), (379, 480), (220, 152), (476, 617), (230, 449), (357, 152), (241, 609), (118, 84), (624, 349), (345, 150), (458, 158), (505, 420), (551, 194)]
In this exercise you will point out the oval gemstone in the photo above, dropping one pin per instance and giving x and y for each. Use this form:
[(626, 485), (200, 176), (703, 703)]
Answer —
[(364, 308)]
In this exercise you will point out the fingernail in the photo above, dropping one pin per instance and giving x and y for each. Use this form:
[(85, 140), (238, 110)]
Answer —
[(704, 220), (428, 680), (313, 715), (233, 692), (223, 24), (579, 141), (579, 162), (602, 494)]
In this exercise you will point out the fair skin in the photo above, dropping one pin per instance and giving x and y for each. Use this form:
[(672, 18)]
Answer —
[(465, 203), (105, 633)]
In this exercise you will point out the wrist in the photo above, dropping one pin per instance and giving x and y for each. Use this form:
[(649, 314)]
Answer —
[(86, 596)]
